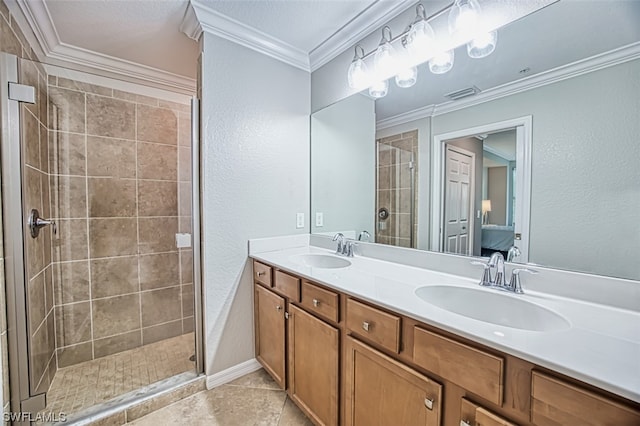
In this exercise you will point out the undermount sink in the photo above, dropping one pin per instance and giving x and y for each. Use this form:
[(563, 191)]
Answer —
[(495, 308), (325, 261)]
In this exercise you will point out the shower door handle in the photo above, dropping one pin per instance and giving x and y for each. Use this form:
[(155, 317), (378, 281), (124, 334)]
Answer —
[(35, 222)]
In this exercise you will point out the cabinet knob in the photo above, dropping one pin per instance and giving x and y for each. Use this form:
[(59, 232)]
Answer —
[(316, 302), (278, 308), (464, 423), (261, 273), (365, 326), (428, 403)]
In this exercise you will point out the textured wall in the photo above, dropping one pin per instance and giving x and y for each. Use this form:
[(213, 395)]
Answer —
[(585, 191), (255, 153), (120, 190), (342, 153)]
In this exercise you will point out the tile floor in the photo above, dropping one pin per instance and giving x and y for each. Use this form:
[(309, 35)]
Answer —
[(93, 382), (254, 399)]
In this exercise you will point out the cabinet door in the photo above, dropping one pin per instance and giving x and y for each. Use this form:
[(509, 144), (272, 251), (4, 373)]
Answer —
[(313, 366), (381, 391), (270, 333), (472, 414)]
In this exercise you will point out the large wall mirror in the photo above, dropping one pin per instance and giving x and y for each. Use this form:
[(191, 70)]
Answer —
[(545, 158)]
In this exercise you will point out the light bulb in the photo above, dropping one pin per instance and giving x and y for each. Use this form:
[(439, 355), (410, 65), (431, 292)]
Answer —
[(379, 89), (421, 38), (483, 45), (407, 77), (464, 18), (384, 59), (358, 74), (442, 62)]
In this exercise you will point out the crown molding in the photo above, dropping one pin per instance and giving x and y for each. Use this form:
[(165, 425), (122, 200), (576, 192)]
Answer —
[(584, 66), (374, 17), (36, 15), (220, 25), (190, 25)]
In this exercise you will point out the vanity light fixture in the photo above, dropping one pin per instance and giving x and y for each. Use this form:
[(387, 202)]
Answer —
[(421, 45)]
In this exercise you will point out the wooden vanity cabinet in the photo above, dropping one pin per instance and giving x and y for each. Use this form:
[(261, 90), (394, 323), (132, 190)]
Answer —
[(380, 391), (270, 333)]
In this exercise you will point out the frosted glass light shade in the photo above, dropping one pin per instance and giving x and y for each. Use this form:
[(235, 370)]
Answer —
[(380, 89), (407, 77), (384, 60), (421, 40), (483, 45), (441, 62), (464, 18), (358, 74)]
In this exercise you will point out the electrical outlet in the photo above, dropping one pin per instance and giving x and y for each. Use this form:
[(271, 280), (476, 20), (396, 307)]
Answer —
[(319, 219), (300, 220)]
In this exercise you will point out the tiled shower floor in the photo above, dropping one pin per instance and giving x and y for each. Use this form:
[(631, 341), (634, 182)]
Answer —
[(93, 382)]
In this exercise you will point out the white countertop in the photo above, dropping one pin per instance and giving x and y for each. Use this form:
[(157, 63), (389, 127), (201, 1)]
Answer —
[(602, 346)]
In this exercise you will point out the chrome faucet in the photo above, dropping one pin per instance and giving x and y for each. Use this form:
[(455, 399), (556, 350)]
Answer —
[(364, 235), (513, 252), (496, 261), (339, 237)]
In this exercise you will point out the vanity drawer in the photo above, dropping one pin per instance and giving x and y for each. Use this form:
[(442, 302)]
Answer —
[(373, 324), (479, 372), (555, 402), (475, 415), (322, 302), (287, 285), (262, 273)]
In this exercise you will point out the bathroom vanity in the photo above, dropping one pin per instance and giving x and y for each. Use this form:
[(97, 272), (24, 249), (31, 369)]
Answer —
[(354, 343)]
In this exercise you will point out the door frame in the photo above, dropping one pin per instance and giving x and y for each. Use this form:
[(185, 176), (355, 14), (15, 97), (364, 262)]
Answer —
[(472, 194), (523, 126)]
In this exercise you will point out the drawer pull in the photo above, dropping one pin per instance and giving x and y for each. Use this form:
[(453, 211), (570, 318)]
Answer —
[(428, 403), (316, 302), (365, 326), (464, 423), (278, 308), (261, 273)]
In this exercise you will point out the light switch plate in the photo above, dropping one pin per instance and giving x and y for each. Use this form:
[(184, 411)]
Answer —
[(319, 219), (300, 220)]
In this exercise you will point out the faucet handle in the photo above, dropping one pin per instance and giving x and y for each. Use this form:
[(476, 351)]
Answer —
[(349, 247), (486, 275), (515, 285), (339, 237)]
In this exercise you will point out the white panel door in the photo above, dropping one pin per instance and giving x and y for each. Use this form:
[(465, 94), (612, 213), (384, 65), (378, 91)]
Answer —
[(459, 199)]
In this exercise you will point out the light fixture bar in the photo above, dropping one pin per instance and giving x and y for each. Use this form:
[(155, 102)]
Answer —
[(405, 32)]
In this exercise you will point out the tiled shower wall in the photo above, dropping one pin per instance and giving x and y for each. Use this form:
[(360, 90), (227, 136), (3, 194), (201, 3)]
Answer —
[(120, 190), (393, 188)]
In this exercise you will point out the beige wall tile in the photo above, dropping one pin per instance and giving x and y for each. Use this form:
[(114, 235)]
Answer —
[(184, 164), (116, 315), (159, 270), (111, 157), (184, 206), (156, 125), (160, 306), (186, 266), (112, 197), (4, 12), (115, 344), (44, 149), (71, 280), (184, 129), (157, 162), (8, 41), (66, 110), (183, 108), (32, 189), (48, 289), (67, 154), (114, 276), (84, 87), (119, 94), (157, 235), (36, 302), (187, 300), (43, 99), (112, 237), (69, 196), (73, 323), (110, 117), (30, 138), (188, 325), (35, 256), (70, 243), (75, 354), (161, 332), (157, 198), (39, 355)]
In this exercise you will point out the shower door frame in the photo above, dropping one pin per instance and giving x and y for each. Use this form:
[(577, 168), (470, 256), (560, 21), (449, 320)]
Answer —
[(22, 398)]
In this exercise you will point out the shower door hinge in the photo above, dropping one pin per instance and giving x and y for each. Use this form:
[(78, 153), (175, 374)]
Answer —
[(34, 404), (22, 93)]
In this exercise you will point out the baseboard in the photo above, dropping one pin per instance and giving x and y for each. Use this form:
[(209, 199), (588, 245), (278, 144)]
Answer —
[(232, 373)]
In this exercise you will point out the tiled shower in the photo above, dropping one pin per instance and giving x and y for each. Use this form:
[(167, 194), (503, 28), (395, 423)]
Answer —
[(113, 169)]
